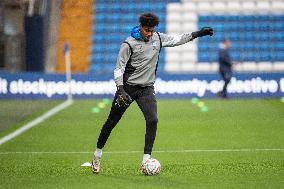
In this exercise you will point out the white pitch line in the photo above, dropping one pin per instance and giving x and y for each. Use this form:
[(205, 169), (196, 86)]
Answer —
[(158, 151), (36, 121)]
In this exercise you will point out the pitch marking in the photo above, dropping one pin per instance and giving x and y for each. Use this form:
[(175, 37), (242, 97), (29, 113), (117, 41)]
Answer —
[(158, 151), (36, 121)]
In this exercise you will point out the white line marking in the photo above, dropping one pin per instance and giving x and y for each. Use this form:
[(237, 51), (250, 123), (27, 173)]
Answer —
[(158, 151), (36, 121)]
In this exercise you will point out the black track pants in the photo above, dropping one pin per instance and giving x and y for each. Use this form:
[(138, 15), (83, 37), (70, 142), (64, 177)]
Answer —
[(146, 100), (226, 76)]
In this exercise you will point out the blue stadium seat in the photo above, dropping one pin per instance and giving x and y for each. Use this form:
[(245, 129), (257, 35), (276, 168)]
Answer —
[(219, 18), (113, 22), (277, 36), (204, 18), (101, 7), (249, 55), (256, 37), (233, 18), (279, 46), (99, 17), (235, 55), (235, 46), (277, 18), (202, 58), (279, 56), (264, 56), (233, 36), (96, 59), (213, 56), (262, 18), (263, 46), (218, 26), (278, 26), (262, 36)]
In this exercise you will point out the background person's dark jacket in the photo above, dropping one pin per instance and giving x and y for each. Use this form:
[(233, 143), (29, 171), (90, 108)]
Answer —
[(225, 62)]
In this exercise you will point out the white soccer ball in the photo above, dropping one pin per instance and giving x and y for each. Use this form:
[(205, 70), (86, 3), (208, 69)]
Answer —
[(151, 167)]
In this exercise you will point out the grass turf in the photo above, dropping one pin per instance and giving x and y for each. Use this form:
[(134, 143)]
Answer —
[(229, 124)]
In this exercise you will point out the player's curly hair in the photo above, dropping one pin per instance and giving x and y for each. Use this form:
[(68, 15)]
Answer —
[(149, 19)]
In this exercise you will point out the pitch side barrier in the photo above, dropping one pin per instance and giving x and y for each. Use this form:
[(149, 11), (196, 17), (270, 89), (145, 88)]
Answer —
[(54, 86)]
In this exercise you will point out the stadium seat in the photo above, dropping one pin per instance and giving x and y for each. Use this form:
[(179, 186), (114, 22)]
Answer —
[(219, 6), (263, 5), (219, 26), (279, 46), (174, 28), (204, 18), (204, 67), (204, 7), (188, 66), (189, 27), (278, 66), (189, 7), (264, 66), (235, 56), (173, 67), (248, 6), (172, 56), (262, 17), (203, 57), (214, 67), (263, 46), (113, 22), (249, 66), (278, 6), (277, 17), (234, 6), (279, 56), (233, 18), (174, 8), (190, 47), (264, 56), (254, 32), (188, 57), (189, 17)]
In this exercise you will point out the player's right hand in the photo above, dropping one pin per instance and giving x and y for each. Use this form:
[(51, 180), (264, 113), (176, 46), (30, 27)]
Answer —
[(123, 99)]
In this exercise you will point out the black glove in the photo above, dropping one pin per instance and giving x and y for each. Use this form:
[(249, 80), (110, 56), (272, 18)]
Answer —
[(204, 31), (123, 99)]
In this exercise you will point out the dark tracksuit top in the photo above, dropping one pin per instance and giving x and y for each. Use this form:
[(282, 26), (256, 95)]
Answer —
[(141, 70), (225, 60)]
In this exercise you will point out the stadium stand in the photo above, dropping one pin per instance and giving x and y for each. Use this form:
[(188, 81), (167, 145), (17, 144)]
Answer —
[(256, 29), (112, 24)]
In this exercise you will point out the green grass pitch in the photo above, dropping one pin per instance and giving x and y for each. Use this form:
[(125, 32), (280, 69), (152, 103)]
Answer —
[(50, 155)]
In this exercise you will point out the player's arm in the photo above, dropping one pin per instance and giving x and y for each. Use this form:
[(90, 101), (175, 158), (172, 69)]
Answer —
[(171, 41), (122, 59), (123, 99)]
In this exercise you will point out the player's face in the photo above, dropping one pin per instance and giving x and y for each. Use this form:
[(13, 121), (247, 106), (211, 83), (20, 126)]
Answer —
[(147, 32), (228, 44)]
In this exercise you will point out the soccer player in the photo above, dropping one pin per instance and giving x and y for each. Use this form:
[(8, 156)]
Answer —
[(225, 66), (135, 74)]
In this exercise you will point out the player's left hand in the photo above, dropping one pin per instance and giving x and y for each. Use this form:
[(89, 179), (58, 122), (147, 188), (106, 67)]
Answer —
[(204, 31), (207, 31)]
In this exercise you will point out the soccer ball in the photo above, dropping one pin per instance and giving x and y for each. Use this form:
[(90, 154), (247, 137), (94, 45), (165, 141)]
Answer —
[(151, 167)]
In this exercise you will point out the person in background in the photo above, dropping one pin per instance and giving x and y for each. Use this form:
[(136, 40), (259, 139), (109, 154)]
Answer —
[(225, 66)]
